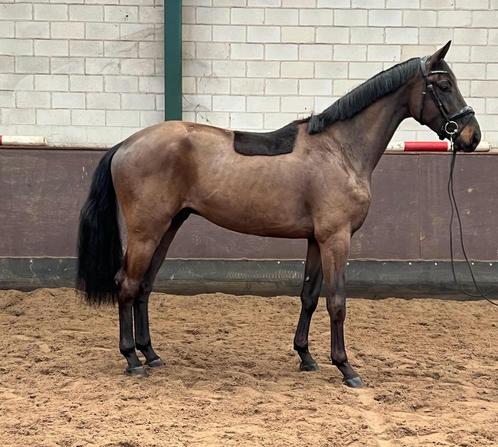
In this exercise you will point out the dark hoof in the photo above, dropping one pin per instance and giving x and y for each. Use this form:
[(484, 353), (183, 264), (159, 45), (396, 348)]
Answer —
[(156, 363), (136, 371), (354, 382), (310, 366)]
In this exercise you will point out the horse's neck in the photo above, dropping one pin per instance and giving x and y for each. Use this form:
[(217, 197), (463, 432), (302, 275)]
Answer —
[(368, 133)]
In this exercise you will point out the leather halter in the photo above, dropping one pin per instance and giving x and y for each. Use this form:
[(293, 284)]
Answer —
[(450, 127)]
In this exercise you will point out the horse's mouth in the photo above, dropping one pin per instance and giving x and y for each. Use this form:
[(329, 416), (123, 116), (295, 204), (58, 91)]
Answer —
[(461, 146)]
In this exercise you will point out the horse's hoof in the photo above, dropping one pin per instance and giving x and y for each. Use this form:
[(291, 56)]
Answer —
[(136, 371), (310, 366), (156, 363), (354, 382)]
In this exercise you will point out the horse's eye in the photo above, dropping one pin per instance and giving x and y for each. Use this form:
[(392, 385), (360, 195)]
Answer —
[(445, 86)]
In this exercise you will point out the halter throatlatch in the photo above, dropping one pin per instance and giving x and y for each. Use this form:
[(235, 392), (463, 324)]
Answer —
[(450, 127)]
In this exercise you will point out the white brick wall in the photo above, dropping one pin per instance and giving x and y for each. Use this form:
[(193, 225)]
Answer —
[(92, 70), (80, 70)]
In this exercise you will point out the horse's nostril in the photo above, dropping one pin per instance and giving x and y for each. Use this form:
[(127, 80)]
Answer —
[(475, 139)]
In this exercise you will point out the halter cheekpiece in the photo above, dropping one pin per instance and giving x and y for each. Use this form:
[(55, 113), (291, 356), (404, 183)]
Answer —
[(450, 127)]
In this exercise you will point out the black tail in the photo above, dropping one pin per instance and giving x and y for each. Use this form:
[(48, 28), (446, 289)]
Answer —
[(99, 241)]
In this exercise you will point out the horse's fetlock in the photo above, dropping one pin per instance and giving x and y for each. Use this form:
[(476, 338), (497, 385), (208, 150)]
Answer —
[(126, 350), (143, 346), (339, 359), (301, 349)]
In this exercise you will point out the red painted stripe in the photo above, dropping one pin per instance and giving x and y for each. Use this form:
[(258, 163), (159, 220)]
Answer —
[(435, 146)]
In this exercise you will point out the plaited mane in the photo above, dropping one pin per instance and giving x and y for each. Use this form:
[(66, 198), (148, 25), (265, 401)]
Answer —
[(364, 95)]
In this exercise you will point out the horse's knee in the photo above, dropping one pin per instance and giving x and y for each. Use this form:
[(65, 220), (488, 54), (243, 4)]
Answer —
[(338, 357), (126, 348), (336, 306)]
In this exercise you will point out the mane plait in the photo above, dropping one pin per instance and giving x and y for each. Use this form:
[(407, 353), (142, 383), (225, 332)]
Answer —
[(364, 95)]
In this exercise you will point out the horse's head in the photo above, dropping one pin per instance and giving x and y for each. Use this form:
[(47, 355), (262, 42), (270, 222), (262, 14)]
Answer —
[(437, 102)]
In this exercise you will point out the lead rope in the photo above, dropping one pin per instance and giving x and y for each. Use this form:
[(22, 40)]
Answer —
[(454, 210)]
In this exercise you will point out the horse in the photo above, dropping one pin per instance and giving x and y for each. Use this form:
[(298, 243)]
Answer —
[(311, 179)]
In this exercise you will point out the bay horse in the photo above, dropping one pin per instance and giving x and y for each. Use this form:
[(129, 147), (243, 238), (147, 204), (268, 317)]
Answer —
[(310, 179)]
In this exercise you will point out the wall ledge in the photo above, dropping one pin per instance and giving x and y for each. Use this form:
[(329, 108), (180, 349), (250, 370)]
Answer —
[(365, 278)]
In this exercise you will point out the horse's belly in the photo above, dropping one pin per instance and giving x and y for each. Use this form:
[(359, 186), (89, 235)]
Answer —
[(276, 220)]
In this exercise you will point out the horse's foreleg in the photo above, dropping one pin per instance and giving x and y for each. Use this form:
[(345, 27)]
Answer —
[(141, 304), (334, 252), (309, 300)]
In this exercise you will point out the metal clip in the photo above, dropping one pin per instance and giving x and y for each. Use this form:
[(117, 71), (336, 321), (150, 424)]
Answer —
[(448, 130)]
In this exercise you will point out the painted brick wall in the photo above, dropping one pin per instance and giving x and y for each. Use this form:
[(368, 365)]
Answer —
[(91, 70)]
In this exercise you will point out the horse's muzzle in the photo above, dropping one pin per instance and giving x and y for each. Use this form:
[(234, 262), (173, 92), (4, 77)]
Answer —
[(468, 139)]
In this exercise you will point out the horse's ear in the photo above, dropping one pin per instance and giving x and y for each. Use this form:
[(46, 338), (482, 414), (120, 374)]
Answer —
[(440, 54)]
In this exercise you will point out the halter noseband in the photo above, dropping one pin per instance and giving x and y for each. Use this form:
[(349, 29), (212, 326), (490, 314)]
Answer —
[(450, 127)]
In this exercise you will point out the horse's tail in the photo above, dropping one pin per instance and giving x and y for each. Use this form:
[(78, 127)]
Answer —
[(99, 241)]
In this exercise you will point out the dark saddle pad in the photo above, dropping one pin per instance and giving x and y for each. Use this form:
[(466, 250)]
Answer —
[(278, 142)]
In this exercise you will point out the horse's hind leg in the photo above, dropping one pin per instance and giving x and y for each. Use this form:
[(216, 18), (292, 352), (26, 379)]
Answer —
[(309, 300), (141, 304), (145, 232), (138, 257)]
